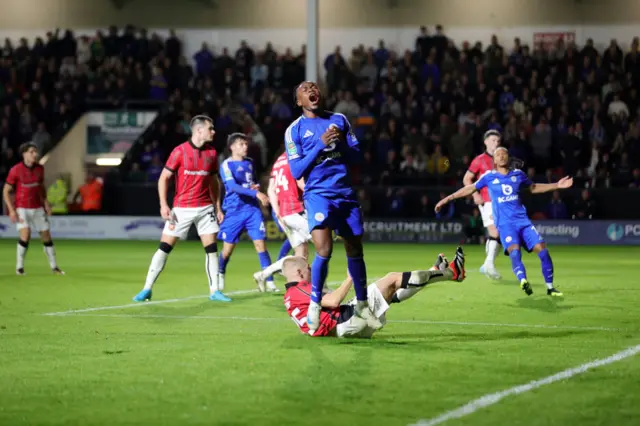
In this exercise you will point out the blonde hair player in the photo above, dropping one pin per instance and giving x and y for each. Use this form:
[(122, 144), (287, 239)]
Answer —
[(340, 320)]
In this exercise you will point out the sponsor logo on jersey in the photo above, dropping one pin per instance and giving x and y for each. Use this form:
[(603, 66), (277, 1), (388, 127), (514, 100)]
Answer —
[(292, 151)]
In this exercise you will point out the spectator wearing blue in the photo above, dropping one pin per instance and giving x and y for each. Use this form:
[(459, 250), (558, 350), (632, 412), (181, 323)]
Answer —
[(158, 85), (557, 209), (204, 60), (447, 213)]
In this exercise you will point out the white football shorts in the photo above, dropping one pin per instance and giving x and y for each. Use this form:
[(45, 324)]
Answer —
[(353, 326), (204, 218), (486, 211), (34, 219), (296, 227)]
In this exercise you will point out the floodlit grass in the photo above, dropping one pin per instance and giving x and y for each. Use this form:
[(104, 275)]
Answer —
[(192, 361)]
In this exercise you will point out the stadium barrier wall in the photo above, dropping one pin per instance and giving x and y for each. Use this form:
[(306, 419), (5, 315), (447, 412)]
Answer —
[(141, 199), (596, 232)]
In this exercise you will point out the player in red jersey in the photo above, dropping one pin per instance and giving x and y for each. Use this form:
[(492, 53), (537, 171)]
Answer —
[(339, 320), (285, 196), (197, 201), (31, 207), (481, 164)]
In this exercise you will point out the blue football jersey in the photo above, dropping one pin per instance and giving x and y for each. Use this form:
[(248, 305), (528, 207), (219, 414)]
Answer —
[(325, 169), (505, 195), (237, 173)]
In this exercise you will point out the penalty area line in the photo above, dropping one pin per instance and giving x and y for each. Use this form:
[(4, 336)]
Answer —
[(139, 304), (493, 398), (158, 302)]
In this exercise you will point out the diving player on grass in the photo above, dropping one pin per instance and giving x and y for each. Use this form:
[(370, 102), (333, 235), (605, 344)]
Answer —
[(320, 147), (339, 320), (510, 216), (241, 206)]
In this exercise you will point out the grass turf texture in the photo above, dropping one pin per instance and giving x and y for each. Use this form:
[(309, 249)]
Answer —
[(244, 363)]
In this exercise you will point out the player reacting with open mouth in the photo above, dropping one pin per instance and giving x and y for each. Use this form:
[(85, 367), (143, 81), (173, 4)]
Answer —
[(510, 215), (320, 147), (31, 208), (340, 320), (285, 195), (194, 164)]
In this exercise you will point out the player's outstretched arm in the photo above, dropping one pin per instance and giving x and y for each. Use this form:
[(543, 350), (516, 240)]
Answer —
[(335, 298), (460, 193), (540, 188)]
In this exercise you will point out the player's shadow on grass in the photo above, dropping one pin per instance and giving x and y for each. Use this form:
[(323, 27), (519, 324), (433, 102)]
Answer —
[(545, 304)]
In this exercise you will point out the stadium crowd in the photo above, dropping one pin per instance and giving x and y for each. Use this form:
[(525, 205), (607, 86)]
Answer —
[(418, 114)]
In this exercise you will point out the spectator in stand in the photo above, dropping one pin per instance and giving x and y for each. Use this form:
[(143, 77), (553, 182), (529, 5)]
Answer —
[(447, 213), (585, 207), (474, 230), (557, 209), (155, 168), (438, 163), (635, 179)]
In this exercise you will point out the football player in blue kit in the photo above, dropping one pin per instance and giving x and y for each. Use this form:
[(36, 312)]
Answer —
[(320, 148), (241, 207), (514, 226)]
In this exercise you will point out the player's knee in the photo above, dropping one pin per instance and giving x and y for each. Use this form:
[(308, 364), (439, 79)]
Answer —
[(259, 245), (165, 247), (23, 243), (325, 250), (48, 243), (543, 253), (353, 247), (211, 248), (540, 247)]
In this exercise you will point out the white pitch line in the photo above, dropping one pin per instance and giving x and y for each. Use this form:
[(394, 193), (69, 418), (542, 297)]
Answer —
[(140, 304), (493, 398), (158, 302), (495, 324), (284, 318)]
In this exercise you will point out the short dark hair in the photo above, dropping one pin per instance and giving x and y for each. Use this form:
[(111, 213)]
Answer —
[(295, 93), (200, 119), (234, 137), (27, 146), (491, 133)]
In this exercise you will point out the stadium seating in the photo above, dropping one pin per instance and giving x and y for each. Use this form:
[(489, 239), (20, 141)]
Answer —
[(420, 115)]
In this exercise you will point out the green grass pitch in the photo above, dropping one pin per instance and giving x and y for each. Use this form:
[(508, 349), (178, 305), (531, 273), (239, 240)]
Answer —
[(191, 361)]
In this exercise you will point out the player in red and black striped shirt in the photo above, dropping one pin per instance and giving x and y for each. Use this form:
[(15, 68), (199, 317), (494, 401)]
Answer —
[(194, 164), (480, 165), (31, 208), (339, 320)]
